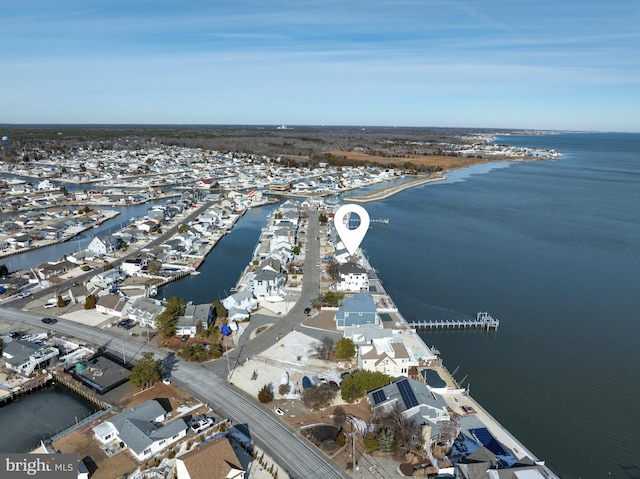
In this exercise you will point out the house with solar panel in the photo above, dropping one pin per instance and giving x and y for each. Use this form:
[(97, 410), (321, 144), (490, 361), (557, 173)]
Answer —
[(419, 405), (357, 310), (142, 430)]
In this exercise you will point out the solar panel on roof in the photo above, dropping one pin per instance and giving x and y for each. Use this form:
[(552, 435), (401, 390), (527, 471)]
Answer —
[(378, 397), (407, 394), (484, 437)]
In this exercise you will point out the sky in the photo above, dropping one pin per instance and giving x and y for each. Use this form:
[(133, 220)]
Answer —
[(562, 64)]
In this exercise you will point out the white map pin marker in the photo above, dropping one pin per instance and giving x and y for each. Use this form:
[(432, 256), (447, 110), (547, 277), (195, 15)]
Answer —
[(351, 238)]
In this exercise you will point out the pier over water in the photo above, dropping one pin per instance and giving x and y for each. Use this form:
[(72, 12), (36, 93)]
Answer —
[(483, 320)]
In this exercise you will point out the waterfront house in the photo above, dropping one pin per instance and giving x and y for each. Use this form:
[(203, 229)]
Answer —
[(484, 464), (214, 459), (196, 317), (267, 283), (24, 357), (100, 246), (133, 266), (417, 403), (385, 355), (240, 305), (142, 430), (357, 310), (20, 241), (352, 278)]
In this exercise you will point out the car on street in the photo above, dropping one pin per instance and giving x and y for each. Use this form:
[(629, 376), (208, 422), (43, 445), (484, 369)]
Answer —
[(49, 320), (307, 311)]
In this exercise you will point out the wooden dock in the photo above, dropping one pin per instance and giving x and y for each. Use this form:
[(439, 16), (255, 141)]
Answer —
[(483, 321)]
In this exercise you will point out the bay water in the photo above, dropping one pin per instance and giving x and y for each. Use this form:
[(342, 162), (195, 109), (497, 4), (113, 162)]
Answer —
[(551, 248)]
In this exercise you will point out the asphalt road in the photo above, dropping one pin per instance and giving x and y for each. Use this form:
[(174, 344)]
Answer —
[(208, 382)]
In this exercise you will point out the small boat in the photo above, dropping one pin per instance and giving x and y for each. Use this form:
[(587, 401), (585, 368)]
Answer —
[(195, 273)]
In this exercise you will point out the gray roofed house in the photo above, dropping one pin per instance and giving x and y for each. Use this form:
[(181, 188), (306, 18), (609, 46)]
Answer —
[(145, 311), (141, 430), (417, 402), (195, 318), (267, 283), (355, 311), (25, 357), (240, 305)]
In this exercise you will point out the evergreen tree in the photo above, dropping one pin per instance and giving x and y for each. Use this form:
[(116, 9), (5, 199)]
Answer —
[(370, 442), (386, 440), (90, 302), (265, 395), (60, 301), (345, 348), (166, 321), (147, 371)]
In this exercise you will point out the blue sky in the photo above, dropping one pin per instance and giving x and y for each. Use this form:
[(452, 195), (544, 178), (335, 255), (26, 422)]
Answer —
[(540, 64)]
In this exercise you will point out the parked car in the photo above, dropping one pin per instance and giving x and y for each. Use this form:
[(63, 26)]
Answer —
[(202, 424), (307, 311)]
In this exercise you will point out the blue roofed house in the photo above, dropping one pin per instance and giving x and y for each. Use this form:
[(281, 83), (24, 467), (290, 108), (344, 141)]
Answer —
[(141, 430), (357, 310)]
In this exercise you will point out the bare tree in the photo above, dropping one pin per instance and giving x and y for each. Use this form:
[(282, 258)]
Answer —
[(339, 416), (324, 347)]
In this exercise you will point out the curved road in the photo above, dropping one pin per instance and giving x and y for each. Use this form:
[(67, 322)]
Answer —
[(208, 382)]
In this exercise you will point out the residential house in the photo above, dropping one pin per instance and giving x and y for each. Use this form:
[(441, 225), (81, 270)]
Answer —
[(484, 464), (133, 266), (50, 270), (352, 278), (141, 430), (385, 355), (417, 403), (357, 310), (267, 283), (100, 246), (214, 459), (25, 357), (240, 305), (196, 317), (20, 241), (145, 311), (112, 304)]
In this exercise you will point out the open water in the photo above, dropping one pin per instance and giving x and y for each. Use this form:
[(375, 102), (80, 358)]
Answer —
[(38, 416), (551, 249)]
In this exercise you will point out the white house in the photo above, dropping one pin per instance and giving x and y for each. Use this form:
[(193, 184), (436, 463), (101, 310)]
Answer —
[(25, 357), (267, 283), (145, 311), (196, 317), (240, 305), (141, 430), (112, 304), (352, 278), (385, 355), (103, 245)]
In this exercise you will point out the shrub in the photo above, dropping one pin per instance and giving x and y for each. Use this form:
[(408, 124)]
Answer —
[(284, 389), (265, 395)]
